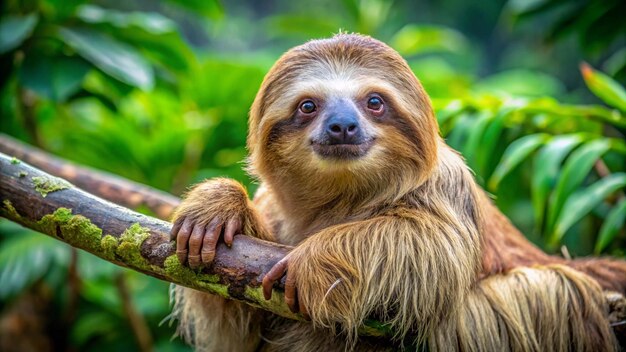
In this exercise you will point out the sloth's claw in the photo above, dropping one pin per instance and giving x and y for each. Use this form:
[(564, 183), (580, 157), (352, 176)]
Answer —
[(291, 292), (196, 241)]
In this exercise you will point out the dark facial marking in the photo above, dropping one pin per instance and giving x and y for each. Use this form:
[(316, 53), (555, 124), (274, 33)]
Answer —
[(282, 128)]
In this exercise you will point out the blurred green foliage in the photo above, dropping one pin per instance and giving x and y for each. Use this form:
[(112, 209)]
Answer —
[(159, 92)]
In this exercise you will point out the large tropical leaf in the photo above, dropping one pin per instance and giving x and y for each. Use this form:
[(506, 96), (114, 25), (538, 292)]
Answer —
[(25, 257), (574, 172), (15, 29), (576, 112), (151, 22), (115, 58), (156, 36), (604, 87), (474, 139), (461, 126), (546, 170), (613, 223), (582, 202), (515, 154), (54, 78), (449, 112), (489, 141)]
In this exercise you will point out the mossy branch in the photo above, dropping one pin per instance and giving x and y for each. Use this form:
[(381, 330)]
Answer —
[(56, 208)]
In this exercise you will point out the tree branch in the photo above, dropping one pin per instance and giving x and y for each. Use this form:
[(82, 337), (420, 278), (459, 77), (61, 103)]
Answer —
[(54, 207)]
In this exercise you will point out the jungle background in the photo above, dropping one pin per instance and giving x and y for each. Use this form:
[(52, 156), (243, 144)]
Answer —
[(530, 91)]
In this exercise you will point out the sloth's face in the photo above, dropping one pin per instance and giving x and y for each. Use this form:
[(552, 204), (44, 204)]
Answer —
[(351, 120), (348, 108), (340, 120)]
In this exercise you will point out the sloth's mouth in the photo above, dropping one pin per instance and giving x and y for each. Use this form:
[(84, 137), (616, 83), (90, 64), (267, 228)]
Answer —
[(342, 151)]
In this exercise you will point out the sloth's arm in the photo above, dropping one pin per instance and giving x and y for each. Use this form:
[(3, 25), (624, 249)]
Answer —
[(408, 269)]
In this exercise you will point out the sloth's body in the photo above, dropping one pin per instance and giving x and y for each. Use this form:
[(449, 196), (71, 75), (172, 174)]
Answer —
[(386, 220)]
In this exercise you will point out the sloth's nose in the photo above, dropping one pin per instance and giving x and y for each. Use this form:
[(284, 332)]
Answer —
[(342, 129)]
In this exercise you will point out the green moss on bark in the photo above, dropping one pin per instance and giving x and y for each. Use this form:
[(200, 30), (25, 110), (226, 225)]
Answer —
[(46, 184), (109, 245), (189, 277), (10, 212), (52, 223), (76, 230), (276, 303), (129, 247)]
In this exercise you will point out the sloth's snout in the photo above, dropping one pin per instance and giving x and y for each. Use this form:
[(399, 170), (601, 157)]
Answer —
[(343, 128), (342, 134)]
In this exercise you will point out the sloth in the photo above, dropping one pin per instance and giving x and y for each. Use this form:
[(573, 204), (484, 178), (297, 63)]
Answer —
[(386, 221)]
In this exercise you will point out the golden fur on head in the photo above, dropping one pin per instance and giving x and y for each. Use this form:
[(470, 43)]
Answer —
[(349, 66), (401, 233)]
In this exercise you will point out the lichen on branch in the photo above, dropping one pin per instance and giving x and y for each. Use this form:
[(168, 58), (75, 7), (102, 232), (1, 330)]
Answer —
[(49, 184)]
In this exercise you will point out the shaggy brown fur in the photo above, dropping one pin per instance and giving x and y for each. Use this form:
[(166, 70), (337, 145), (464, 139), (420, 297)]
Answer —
[(401, 233)]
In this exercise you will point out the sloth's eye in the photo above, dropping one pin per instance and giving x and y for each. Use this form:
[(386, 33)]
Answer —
[(375, 103), (307, 107)]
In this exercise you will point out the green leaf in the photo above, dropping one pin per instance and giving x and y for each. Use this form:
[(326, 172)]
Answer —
[(150, 22), (413, 39), (613, 223), (546, 170), (474, 139), (168, 50), (618, 145), (26, 257), (449, 111), (116, 59), (156, 36), (574, 172), (54, 78), (516, 152), (582, 202), (604, 87), (573, 112), (15, 29), (490, 139), (460, 128), (108, 90)]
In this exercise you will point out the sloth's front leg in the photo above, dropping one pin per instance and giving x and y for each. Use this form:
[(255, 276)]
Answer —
[(410, 271), (213, 210)]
